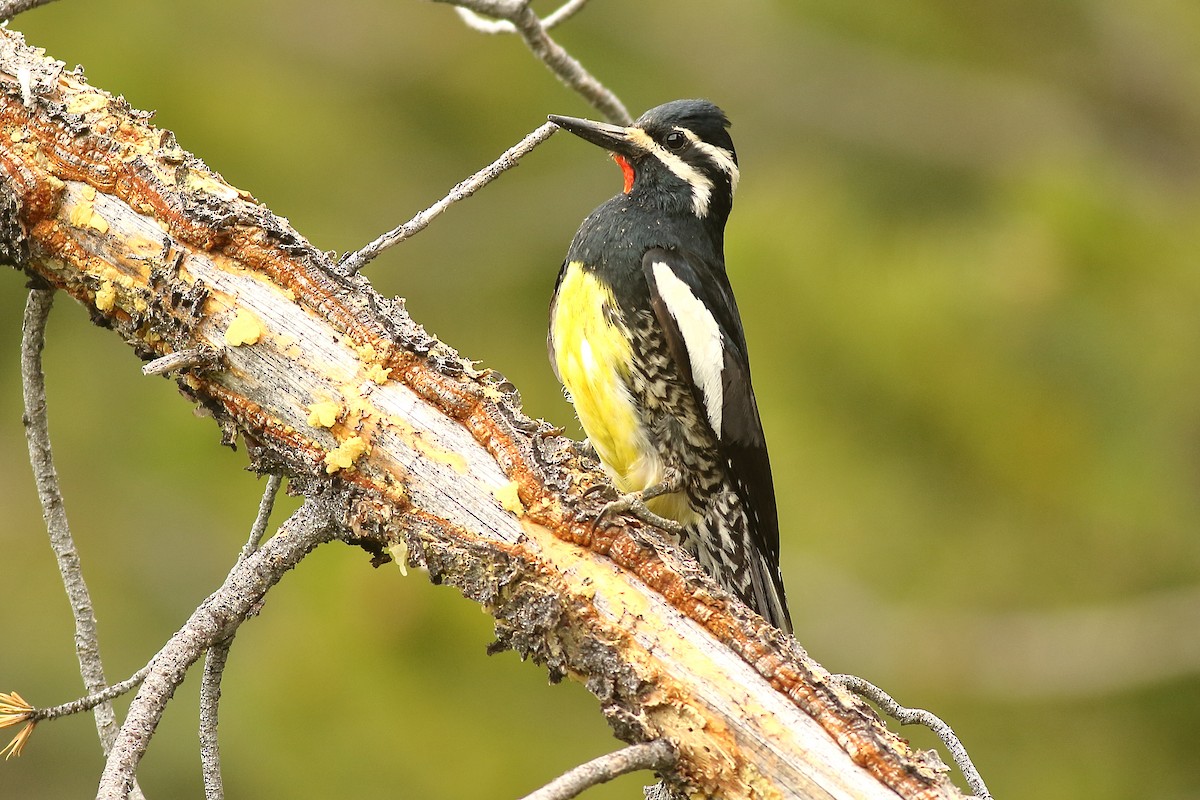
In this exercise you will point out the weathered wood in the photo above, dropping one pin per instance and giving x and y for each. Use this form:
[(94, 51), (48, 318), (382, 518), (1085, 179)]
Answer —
[(326, 380)]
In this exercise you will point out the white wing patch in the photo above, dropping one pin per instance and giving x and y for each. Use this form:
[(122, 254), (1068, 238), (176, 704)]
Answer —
[(701, 337)]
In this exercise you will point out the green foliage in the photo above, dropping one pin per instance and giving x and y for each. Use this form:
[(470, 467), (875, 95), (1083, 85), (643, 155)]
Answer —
[(965, 246)]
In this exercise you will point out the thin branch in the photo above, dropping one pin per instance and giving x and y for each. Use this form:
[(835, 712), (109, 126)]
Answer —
[(218, 654), (265, 507), (14, 710), (353, 262), (210, 699), (217, 618), (37, 433), (919, 716), (92, 700), (657, 755), (549, 52), (12, 8), (494, 26)]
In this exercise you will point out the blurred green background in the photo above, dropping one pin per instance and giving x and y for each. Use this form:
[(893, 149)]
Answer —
[(965, 245)]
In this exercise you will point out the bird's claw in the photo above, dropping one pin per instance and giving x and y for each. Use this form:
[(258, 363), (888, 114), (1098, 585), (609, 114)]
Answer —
[(635, 503)]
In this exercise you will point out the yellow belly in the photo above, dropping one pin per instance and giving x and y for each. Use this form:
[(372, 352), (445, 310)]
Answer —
[(593, 355)]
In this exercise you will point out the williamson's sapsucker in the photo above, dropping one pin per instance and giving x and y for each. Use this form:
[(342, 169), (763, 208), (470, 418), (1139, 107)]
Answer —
[(646, 337)]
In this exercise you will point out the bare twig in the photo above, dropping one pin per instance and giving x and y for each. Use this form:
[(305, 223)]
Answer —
[(37, 433), (14, 710), (265, 507), (54, 512), (183, 359), (217, 618), (494, 26), (92, 700), (218, 654), (210, 699), (919, 716), (353, 262), (12, 8), (549, 52), (511, 16), (657, 755)]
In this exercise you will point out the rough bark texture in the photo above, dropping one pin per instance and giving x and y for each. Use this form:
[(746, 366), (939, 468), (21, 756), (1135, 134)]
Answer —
[(336, 386)]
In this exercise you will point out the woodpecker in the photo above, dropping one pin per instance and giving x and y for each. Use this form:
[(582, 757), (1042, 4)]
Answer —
[(646, 338)]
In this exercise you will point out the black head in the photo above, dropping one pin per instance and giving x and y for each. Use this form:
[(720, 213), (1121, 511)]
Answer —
[(677, 156)]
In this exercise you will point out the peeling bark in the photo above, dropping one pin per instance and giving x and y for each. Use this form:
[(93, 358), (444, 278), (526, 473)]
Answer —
[(336, 386)]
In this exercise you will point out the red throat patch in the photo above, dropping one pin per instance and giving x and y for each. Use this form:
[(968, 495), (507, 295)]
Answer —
[(626, 170)]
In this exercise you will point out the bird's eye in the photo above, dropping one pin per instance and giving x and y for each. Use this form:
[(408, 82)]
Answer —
[(675, 140)]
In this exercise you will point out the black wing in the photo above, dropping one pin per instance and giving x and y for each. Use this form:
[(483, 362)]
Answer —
[(738, 427)]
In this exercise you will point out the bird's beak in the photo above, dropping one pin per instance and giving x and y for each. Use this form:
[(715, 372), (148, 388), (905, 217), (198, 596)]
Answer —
[(613, 138)]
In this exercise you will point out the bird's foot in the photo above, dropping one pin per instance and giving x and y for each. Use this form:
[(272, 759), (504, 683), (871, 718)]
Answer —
[(635, 503)]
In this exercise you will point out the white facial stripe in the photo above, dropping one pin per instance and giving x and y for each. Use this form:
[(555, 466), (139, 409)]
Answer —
[(700, 185), (718, 155), (701, 337)]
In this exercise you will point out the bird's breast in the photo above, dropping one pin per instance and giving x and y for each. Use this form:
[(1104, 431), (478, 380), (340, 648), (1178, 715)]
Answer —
[(594, 357)]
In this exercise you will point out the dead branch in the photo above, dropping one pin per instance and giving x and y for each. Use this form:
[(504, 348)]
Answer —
[(11, 8), (353, 262), (657, 755), (493, 26), (37, 433), (92, 700), (516, 15), (14, 710), (404, 446), (210, 699), (919, 716)]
